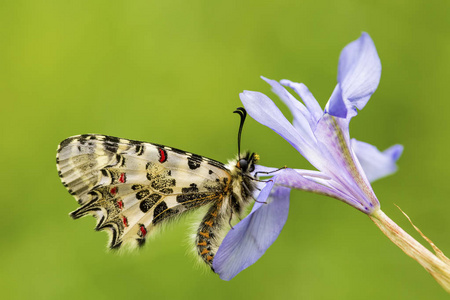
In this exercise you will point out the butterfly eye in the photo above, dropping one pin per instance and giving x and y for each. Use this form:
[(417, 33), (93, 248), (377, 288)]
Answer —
[(243, 164)]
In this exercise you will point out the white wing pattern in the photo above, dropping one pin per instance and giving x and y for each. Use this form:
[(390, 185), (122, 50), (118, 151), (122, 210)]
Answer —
[(131, 187)]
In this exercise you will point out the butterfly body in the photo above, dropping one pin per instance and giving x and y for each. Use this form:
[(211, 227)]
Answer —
[(133, 187)]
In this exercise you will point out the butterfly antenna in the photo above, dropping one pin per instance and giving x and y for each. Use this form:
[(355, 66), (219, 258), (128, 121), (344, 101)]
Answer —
[(243, 113)]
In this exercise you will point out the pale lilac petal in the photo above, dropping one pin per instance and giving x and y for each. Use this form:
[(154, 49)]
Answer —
[(314, 183), (303, 121), (264, 111), (394, 152), (376, 164), (307, 97), (333, 141), (296, 107), (251, 237), (313, 174), (359, 71), (342, 164)]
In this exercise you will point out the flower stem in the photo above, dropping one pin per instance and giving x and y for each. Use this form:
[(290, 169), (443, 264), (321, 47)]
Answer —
[(438, 265)]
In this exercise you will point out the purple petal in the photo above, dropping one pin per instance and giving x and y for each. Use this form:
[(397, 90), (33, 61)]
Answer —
[(303, 121), (251, 237), (336, 105), (317, 183), (359, 71), (307, 97), (296, 107), (264, 111), (376, 164), (359, 74), (342, 165)]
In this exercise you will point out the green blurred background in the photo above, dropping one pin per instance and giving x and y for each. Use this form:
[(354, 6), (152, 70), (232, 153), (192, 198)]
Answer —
[(170, 72)]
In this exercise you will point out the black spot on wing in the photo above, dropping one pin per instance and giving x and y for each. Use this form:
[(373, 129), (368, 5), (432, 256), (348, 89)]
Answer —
[(83, 138), (112, 139), (142, 194), (190, 197), (162, 212), (136, 187), (164, 215), (120, 160), (111, 143), (139, 148), (188, 193), (148, 203), (159, 209), (160, 184), (194, 161), (166, 191)]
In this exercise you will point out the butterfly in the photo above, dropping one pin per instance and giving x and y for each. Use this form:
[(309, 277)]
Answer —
[(134, 187)]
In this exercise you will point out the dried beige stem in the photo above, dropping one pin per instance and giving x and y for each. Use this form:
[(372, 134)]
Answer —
[(437, 265)]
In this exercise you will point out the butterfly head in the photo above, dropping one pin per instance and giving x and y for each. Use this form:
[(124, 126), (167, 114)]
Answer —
[(246, 162)]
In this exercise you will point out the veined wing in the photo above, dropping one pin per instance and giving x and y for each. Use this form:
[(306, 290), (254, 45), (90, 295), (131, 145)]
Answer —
[(131, 186)]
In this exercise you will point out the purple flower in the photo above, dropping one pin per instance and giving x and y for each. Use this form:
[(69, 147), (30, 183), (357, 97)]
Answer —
[(344, 166)]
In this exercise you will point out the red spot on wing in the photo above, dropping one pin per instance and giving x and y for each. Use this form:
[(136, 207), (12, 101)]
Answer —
[(143, 230), (120, 203), (162, 155), (113, 191), (125, 221), (122, 178)]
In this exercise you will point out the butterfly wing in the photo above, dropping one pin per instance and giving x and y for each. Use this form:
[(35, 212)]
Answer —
[(132, 187)]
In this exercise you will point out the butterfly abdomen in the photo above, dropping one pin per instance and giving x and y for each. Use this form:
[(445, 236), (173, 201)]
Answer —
[(209, 233), (236, 196)]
